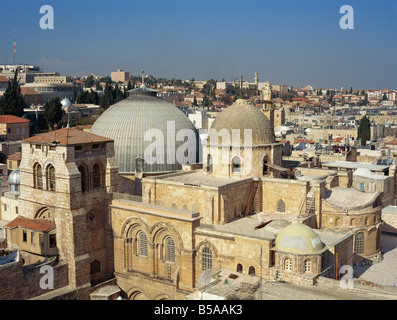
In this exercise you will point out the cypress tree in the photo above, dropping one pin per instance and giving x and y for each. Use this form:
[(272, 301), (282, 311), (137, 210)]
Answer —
[(12, 101), (53, 112), (364, 130)]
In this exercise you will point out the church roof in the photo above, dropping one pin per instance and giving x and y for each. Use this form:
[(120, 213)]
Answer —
[(36, 224), (243, 116), (133, 123), (67, 136), (298, 238)]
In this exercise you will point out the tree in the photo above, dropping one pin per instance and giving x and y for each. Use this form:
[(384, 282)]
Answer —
[(364, 130), (12, 101), (195, 101), (117, 94), (107, 98), (53, 112), (385, 97)]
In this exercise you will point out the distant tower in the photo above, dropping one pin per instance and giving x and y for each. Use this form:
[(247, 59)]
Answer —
[(256, 79)]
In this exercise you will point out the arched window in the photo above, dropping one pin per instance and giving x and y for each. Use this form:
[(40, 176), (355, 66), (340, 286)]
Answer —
[(50, 175), (359, 241), (251, 271), (84, 182), (264, 165), (362, 187), (287, 264), (280, 206), (209, 164), (206, 259), (169, 250), (142, 238), (240, 268), (236, 162), (96, 177), (37, 176), (308, 266)]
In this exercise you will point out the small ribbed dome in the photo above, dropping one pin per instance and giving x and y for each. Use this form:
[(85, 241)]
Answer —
[(14, 177), (298, 238), (142, 113), (242, 115)]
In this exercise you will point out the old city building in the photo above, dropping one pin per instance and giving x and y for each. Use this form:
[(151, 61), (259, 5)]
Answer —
[(167, 225)]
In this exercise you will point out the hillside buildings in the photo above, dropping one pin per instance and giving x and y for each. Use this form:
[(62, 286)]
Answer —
[(133, 204)]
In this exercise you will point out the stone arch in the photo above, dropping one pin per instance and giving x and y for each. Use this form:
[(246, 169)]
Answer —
[(207, 243), (97, 175), (131, 223), (37, 175), (264, 165), (239, 268), (236, 165), (50, 177), (251, 271), (137, 293), (359, 242), (44, 213), (163, 296), (84, 179), (161, 229), (287, 264)]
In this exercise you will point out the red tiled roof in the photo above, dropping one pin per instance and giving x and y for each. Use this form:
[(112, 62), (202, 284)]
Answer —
[(67, 137), (15, 157), (304, 141), (3, 79), (37, 224), (26, 90), (12, 119)]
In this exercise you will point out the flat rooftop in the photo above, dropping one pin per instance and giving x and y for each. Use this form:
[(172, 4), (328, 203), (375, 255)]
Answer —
[(355, 165), (247, 227), (197, 179)]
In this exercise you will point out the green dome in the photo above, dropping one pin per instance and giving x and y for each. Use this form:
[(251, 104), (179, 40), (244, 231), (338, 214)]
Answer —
[(298, 238)]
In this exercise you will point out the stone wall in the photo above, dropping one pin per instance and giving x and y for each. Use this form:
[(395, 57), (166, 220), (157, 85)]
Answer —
[(18, 282)]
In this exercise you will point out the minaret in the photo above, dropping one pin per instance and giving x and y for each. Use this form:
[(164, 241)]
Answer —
[(256, 79)]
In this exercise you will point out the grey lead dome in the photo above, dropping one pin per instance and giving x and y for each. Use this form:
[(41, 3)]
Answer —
[(127, 121)]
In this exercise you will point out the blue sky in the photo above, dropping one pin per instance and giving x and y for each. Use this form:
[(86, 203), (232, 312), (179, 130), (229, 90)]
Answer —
[(287, 41)]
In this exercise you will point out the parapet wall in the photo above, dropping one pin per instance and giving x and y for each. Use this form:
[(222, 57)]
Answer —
[(19, 282)]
